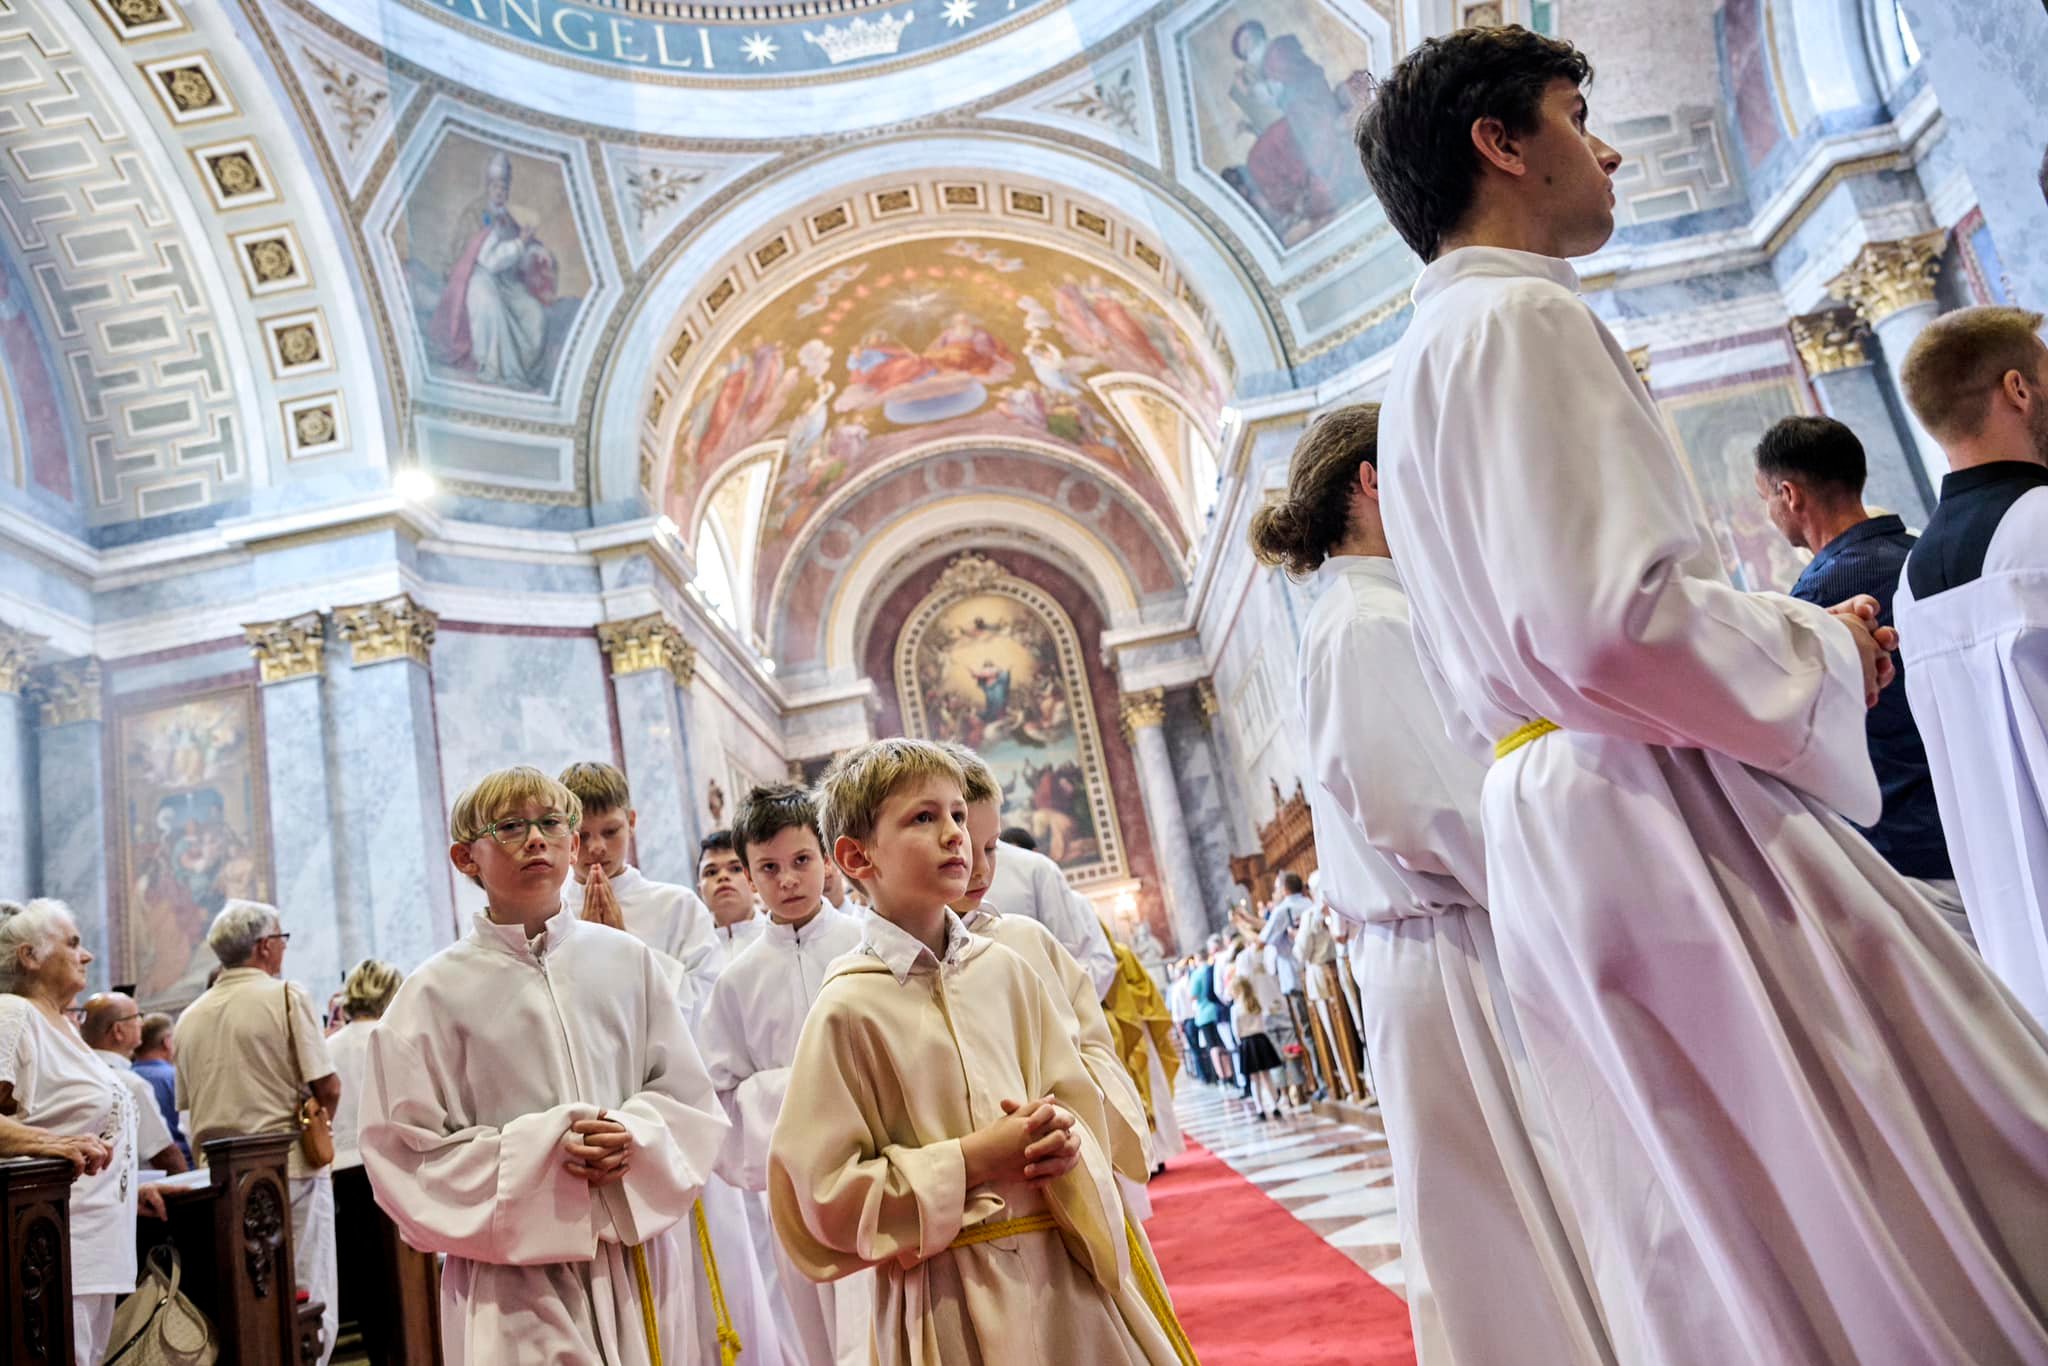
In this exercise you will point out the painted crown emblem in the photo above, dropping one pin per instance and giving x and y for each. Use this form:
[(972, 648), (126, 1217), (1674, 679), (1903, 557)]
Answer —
[(863, 37)]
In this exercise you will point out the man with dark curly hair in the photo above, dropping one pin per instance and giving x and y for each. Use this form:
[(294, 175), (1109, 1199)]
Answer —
[(1797, 1118)]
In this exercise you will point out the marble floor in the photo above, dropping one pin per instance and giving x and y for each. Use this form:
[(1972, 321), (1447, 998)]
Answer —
[(1335, 1178)]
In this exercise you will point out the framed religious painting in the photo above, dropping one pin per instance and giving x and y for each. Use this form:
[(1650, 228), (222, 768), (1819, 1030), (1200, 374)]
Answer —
[(191, 810)]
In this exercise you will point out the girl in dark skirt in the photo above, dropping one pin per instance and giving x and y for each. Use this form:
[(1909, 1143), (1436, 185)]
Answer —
[(1256, 1056)]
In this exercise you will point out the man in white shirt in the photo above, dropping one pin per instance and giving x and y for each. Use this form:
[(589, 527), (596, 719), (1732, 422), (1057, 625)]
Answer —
[(1029, 883), (750, 1030), (1765, 1055), (680, 928), (113, 1029), (1973, 614)]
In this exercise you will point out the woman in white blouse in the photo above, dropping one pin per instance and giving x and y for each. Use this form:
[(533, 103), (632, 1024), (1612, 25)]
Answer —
[(360, 1228), (50, 1080)]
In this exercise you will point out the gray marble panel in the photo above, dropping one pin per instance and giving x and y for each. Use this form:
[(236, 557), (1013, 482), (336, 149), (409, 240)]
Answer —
[(652, 733), (307, 562), (302, 833), (33, 581), (1199, 777), (71, 795), (232, 658), (509, 575), (1857, 398), (20, 811)]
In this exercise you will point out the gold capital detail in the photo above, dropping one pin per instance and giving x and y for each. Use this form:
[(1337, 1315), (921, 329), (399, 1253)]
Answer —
[(649, 642), (396, 628), (1141, 710), (1832, 340), (287, 649), (66, 692), (971, 573), (1888, 276), (1210, 705), (17, 653)]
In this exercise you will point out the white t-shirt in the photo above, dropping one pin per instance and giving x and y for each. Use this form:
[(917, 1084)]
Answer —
[(61, 1085), (347, 1048)]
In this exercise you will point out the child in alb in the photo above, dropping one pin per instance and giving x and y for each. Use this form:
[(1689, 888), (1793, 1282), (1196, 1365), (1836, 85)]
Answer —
[(534, 1108), (750, 1031), (949, 1134)]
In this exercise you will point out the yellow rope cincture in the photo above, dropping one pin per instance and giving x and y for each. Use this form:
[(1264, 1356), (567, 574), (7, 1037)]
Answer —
[(639, 1255), (1155, 1296), (1004, 1228), (1522, 735), (729, 1346)]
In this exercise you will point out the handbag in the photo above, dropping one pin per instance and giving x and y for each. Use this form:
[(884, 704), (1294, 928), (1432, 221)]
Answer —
[(316, 1126), (157, 1325)]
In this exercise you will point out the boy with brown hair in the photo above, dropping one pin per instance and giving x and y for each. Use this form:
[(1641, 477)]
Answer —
[(951, 1137), (534, 1108), (750, 1031)]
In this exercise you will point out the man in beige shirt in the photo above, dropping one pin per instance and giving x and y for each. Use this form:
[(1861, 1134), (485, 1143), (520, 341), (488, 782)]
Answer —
[(241, 1069)]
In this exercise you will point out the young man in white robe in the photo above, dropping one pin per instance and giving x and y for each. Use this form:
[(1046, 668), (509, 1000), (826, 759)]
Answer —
[(1492, 1272), (1032, 884), (950, 1135), (1797, 1118), (734, 1306), (1073, 993), (535, 1109), (1972, 612), (750, 1029)]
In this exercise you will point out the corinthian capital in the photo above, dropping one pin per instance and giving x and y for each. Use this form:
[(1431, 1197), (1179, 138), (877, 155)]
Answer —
[(1888, 276), (650, 642), (286, 649), (1835, 339), (396, 628)]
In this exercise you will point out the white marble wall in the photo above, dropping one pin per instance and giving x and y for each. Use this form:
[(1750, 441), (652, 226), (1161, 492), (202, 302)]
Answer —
[(17, 798)]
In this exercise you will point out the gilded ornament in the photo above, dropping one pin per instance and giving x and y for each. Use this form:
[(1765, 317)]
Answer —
[(1833, 340), (17, 655), (1141, 710), (313, 426), (189, 89), (396, 628), (287, 649), (298, 345), (1886, 277), (139, 13), (971, 573), (236, 174), (650, 642), (271, 260), (1206, 699), (66, 692)]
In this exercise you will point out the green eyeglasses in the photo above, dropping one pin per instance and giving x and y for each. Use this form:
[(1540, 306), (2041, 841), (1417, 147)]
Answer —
[(553, 828)]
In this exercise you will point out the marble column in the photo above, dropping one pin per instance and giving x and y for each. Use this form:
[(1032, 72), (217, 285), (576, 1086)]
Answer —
[(1834, 347), (1891, 286), (652, 667), (1983, 58), (392, 817), (71, 804), (19, 802), (311, 879), (1144, 722)]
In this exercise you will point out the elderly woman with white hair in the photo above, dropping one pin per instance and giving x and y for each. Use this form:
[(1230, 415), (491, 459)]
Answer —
[(52, 1082), (248, 1051)]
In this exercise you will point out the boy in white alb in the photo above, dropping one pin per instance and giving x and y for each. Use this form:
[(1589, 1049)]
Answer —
[(533, 1107), (723, 888), (950, 1136), (750, 1031), (734, 1308)]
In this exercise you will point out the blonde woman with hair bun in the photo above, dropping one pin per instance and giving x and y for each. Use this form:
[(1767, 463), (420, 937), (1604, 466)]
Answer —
[(360, 1228)]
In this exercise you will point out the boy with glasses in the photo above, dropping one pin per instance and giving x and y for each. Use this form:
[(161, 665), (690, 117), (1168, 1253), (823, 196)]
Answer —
[(534, 1108)]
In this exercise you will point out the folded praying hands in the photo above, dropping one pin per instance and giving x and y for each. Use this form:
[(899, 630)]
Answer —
[(597, 1149)]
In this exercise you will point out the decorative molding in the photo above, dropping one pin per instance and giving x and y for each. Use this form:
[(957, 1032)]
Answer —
[(1886, 277), (639, 644), (136, 19), (287, 649), (1833, 339), (271, 260), (66, 692), (1207, 702), (189, 89), (395, 628), (1141, 710), (314, 426), (1639, 359), (235, 174), (17, 656), (970, 573), (298, 344)]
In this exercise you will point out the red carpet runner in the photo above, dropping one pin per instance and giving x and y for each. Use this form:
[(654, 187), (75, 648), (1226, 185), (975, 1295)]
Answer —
[(1254, 1286)]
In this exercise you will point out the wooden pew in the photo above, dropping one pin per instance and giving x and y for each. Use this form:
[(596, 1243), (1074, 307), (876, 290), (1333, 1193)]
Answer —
[(234, 1238), (35, 1258)]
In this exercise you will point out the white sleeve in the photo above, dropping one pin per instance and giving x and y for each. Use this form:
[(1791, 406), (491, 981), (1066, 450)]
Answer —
[(697, 948), (152, 1135), (1589, 538), (1071, 918), (751, 1096)]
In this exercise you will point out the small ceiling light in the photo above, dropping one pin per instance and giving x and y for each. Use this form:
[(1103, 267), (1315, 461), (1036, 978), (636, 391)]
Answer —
[(667, 525), (414, 484), (767, 665)]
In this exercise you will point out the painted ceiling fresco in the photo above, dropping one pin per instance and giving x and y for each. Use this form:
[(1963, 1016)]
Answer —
[(926, 341)]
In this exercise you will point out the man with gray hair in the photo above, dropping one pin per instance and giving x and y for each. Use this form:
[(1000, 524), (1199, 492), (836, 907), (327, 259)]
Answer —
[(248, 1049)]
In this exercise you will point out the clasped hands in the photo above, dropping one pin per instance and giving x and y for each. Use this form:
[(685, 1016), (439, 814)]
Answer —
[(600, 903), (598, 1149), (1033, 1142), (1874, 643)]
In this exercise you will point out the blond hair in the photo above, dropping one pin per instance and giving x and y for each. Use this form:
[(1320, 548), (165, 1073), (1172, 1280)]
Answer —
[(853, 789), (599, 786), (369, 989), (496, 795), (1953, 366), (977, 780)]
